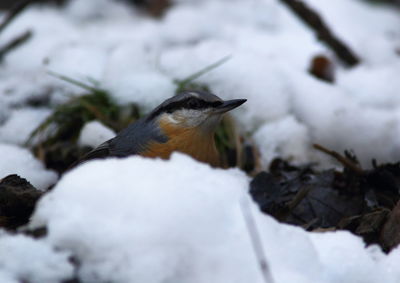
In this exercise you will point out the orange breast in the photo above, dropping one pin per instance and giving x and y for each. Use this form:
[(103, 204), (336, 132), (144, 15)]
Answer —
[(192, 141)]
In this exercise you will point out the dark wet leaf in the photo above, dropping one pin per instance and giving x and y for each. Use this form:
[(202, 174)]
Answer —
[(390, 235), (17, 201), (357, 200)]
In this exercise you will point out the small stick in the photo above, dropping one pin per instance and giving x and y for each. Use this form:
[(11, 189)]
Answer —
[(74, 82), (256, 241), (19, 40), (315, 22), (343, 160)]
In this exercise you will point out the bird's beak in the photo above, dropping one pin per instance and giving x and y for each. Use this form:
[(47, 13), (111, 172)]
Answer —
[(229, 105)]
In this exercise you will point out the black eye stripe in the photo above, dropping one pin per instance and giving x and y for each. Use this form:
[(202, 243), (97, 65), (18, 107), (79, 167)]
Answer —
[(187, 103), (191, 103), (215, 103), (194, 103)]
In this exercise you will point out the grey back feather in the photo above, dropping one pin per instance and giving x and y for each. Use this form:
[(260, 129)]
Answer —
[(130, 141)]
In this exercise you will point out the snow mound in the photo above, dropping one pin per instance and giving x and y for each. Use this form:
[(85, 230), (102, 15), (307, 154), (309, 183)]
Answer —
[(340, 122), (132, 74), (26, 120), (124, 225), (28, 260), (94, 133), (20, 161), (285, 138)]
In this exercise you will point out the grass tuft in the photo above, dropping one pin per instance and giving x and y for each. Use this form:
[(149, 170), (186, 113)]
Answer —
[(59, 133)]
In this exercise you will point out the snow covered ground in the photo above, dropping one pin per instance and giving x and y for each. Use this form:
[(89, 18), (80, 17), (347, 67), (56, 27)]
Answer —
[(119, 221), (123, 225)]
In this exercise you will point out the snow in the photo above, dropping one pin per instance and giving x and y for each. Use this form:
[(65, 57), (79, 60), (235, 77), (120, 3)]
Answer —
[(359, 261), (389, 263), (132, 207), (135, 88), (130, 69), (123, 225), (375, 92), (349, 20), (78, 60), (45, 23), (126, 219), (20, 161), (28, 260), (23, 121), (94, 133), (92, 10), (370, 131), (7, 278), (292, 145)]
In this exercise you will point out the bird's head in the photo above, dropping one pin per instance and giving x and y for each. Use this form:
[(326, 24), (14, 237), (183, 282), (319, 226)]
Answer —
[(193, 109)]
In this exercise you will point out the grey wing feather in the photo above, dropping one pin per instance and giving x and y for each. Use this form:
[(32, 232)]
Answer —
[(132, 140), (101, 151)]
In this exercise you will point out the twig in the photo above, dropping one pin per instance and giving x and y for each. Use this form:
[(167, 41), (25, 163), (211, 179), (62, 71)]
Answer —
[(256, 241), (14, 43), (203, 71), (300, 195), (74, 82), (315, 21), (13, 12), (283, 214), (345, 161)]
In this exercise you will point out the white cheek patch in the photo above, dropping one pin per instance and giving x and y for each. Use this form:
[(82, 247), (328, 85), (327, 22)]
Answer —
[(194, 94), (172, 119), (191, 118), (189, 114), (169, 119)]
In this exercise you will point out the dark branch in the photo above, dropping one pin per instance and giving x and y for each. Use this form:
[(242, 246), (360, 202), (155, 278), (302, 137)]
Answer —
[(14, 43), (314, 21), (13, 12), (346, 162)]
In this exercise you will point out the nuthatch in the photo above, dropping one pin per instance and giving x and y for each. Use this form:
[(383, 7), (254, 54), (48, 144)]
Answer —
[(185, 123)]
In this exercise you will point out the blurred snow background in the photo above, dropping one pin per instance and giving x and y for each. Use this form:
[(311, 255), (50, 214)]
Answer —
[(137, 59)]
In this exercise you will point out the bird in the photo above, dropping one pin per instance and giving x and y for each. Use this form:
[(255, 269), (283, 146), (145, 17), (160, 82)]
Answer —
[(185, 123)]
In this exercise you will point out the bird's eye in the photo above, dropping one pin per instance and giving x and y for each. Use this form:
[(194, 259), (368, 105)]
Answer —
[(193, 104)]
